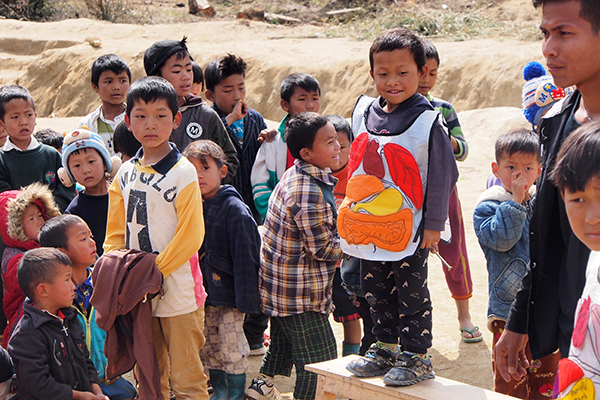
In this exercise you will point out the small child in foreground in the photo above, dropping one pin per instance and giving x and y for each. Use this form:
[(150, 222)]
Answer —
[(229, 259), (48, 345), (298, 259), (71, 235), (501, 221), (577, 176), (458, 278)]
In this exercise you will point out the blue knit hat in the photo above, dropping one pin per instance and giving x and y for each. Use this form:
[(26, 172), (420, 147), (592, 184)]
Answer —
[(539, 92), (82, 139)]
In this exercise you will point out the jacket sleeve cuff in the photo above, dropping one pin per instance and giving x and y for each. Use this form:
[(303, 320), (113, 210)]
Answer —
[(434, 225)]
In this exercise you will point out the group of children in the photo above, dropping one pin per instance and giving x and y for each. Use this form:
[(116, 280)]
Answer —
[(349, 215)]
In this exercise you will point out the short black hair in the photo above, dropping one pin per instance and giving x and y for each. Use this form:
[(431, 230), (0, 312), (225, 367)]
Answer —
[(124, 142), (13, 92), (578, 160), (39, 266), (519, 140), (50, 137), (108, 62), (303, 81), (341, 126), (590, 11), (222, 68), (149, 89), (431, 52), (398, 39), (198, 74), (203, 149), (55, 231), (301, 130)]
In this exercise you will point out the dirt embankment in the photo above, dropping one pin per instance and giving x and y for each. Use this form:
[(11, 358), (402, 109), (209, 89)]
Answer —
[(53, 60)]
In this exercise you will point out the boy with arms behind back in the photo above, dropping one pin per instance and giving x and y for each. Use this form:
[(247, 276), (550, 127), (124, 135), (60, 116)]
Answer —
[(111, 78), (400, 130), (23, 159), (226, 88), (48, 347), (172, 61), (298, 258), (155, 206)]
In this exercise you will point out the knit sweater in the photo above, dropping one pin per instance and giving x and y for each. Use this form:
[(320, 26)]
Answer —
[(20, 168)]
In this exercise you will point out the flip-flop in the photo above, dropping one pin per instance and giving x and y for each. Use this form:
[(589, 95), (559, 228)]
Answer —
[(470, 332)]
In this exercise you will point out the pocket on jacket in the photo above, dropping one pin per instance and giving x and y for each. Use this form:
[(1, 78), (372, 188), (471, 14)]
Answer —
[(509, 281), (219, 263)]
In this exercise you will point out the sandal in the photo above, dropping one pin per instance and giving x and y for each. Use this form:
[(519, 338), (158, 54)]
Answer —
[(471, 339)]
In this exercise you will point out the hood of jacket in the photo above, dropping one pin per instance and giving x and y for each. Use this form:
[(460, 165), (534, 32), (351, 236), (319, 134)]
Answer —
[(12, 207), (191, 101), (225, 191)]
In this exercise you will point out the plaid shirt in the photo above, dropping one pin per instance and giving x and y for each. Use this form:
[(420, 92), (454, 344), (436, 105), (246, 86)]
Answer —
[(300, 244)]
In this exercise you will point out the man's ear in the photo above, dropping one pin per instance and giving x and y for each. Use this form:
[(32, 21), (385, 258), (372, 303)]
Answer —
[(96, 88), (209, 95), (495, 169), (371, 73), (285, 106)]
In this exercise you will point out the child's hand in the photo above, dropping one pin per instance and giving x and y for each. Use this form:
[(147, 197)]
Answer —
[(268, 135), (518, 187), (240, 110), (431, 239), (77, 395)]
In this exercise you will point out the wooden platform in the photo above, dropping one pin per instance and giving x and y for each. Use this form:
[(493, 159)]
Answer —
[(335, 379)]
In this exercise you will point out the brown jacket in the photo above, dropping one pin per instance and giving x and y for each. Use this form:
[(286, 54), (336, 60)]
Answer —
[(124, 281)]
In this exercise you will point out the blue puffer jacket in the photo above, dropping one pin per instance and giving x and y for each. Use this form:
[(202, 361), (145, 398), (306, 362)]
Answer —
[(229, 256), (502, 227)]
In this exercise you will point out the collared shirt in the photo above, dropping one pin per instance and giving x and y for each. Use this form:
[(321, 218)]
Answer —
[(9, 145), (300, 244)]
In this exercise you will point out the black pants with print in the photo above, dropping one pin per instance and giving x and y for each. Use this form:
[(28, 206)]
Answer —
[(399, 298)]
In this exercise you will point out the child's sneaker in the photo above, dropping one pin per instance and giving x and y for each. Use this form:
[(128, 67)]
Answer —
[(263, 388), (376, 361), (409, 369)]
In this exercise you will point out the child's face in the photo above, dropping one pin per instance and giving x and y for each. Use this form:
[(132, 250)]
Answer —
[(510, 167), (344, 150), (209, 176), (152, 123), (19, 122), (3, 135), (228, 93), (325, 152), (569, 42), (396, 76), (112, 88), (302, 101), (32, 222), (583, 211), (197, 89), (427, 82), (60, 293), (88, 170), (81, 247), (179, 73)]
